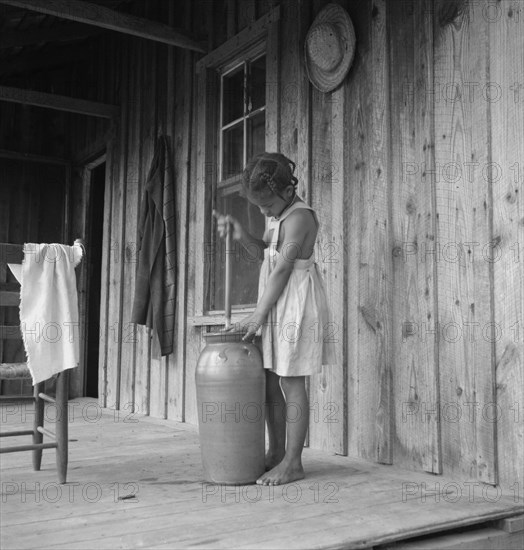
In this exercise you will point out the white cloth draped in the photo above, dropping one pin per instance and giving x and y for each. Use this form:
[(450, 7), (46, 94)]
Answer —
[(49, 307)]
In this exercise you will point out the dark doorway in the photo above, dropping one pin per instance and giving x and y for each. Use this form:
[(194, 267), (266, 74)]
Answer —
[(94, 270)]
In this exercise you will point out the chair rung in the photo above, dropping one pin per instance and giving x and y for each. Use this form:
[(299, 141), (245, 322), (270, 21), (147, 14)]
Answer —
[(31, 447), (15, 398), (46, 432), (46, 397), (19, 432)]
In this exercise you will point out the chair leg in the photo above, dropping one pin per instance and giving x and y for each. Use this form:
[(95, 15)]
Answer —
[(38, 421), (62, 391)]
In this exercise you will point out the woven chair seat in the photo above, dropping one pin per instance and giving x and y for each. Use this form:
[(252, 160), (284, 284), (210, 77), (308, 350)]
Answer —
[(14, 371)]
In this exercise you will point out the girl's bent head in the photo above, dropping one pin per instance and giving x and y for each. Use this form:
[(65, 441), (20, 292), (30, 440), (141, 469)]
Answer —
[(269, 174)]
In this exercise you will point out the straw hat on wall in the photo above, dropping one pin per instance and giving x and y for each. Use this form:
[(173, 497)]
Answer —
[(329, 48)]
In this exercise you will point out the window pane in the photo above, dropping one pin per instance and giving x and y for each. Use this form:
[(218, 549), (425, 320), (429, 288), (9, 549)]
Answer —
[(233, 95), (256, 134), (233, 145), (245, 264), (242, 134), (257, 84)]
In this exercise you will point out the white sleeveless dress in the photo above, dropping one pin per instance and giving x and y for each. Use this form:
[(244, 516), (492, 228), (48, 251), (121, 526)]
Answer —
[(297, 337)]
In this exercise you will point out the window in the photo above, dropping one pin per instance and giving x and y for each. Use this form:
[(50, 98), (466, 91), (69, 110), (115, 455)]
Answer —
[(242, 134), (237, 117), (242, 124)]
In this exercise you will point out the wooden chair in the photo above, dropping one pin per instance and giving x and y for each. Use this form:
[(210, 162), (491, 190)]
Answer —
[(10, 297)]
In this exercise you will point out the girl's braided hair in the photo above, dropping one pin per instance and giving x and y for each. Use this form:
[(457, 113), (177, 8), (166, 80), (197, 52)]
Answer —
[(269, 173)]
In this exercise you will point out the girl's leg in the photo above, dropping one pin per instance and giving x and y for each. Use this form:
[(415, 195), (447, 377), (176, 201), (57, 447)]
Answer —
[(275, 419), (290, 468)]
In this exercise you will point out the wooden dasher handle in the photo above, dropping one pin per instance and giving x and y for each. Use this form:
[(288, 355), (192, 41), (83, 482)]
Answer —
[(229, 257)]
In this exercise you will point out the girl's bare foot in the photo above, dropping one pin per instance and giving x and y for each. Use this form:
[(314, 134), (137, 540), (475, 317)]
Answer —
[(285, 472)]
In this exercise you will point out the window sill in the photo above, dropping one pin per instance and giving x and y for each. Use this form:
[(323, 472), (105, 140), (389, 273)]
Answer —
[(218, 319)]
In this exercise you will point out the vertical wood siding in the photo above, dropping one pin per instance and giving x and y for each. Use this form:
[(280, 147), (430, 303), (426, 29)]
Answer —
[(324, 187), (506, 66), (369, 359), (463, 217), (415, 380)]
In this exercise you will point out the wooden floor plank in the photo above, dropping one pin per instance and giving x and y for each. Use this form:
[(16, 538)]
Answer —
[(343, 502)]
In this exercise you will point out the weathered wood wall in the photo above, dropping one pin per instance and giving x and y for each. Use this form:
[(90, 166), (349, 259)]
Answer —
[(415, 168), (437, 219), (505, 175), (30, 195)]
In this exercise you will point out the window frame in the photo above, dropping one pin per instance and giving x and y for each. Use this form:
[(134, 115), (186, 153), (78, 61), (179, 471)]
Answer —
[(255, 52), (261, 36)]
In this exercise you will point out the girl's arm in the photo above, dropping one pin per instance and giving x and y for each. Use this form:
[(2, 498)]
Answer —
[(297, 227), (275, 285)]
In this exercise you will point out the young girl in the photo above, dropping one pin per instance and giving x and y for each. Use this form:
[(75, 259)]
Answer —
[(291, 312)]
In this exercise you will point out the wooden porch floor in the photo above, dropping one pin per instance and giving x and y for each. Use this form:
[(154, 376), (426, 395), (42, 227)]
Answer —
[(135, 482)]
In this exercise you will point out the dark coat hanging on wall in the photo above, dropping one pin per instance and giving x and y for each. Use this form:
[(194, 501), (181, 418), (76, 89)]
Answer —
[(155, 291)]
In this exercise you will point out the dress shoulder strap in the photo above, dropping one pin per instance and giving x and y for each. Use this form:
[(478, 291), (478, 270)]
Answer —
[(296, 206), (273, 228)]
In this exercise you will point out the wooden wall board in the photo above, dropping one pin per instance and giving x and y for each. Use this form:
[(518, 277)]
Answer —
[(116, 256), (302, 16), (80, 202), (182, 134), (302, 158), (506, 37), (337, 279), (205, 156), (263, 6), (415, 379), (463, 204), (327, 186), (157, 405), (318, 193), (231, 18), (370, 371), (245, 13), (107, 234), (289, 52), (353, 183), (161, 129), (323, 410), (168, 129), (129, 244), (197, 233), (273, 100), (376, 260), (194, 250), (143, 340)]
